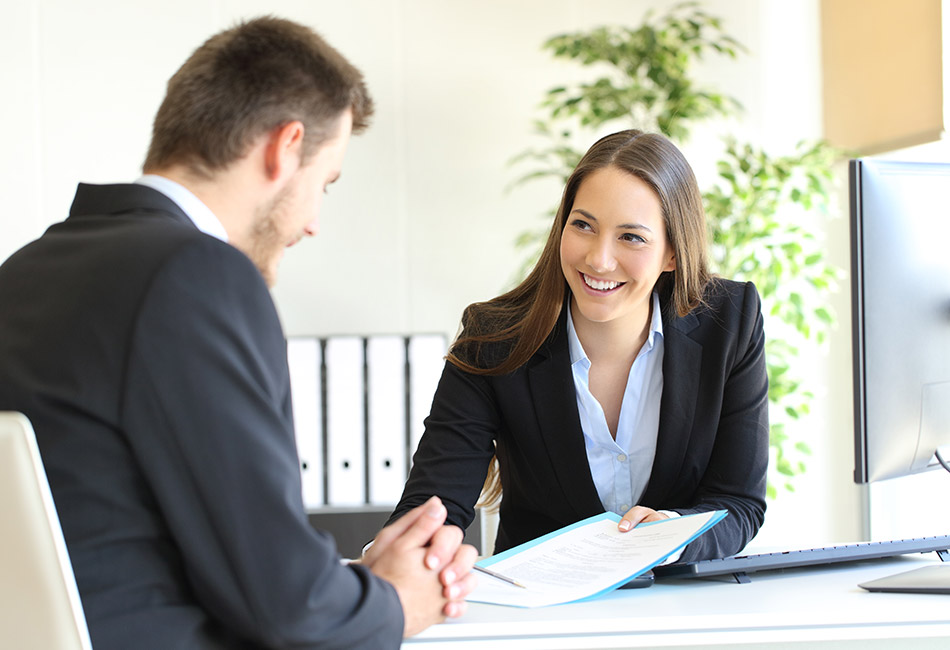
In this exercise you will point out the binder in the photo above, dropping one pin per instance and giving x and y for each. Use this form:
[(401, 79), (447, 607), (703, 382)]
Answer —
[(346, 444), (426, 359), (386, 418), (303, 359)]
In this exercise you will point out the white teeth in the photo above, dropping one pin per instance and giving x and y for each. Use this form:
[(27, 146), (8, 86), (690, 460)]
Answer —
[(600, 285)]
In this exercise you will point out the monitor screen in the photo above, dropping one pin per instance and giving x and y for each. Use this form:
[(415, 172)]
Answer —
[(900, 281)]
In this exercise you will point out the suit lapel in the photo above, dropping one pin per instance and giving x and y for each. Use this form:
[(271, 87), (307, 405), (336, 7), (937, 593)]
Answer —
[(682, 359), (551, 384)]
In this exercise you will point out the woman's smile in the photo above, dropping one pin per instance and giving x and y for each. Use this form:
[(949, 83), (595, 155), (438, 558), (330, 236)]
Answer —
[(603, 286), (614, 248)]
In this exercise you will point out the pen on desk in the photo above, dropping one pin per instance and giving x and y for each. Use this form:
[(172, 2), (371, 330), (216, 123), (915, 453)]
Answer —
[(499, 576)]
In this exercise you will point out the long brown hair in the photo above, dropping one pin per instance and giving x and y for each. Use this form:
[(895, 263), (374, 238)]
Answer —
[(523, 318), (500, 335)]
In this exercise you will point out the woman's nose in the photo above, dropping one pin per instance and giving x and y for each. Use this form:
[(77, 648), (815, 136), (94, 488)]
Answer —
[(600, 258)]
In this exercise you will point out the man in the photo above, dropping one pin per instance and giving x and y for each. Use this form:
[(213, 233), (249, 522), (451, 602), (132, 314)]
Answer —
[(140, 338)]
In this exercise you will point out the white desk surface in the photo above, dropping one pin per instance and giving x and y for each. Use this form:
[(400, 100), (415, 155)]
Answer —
[(814, 607)]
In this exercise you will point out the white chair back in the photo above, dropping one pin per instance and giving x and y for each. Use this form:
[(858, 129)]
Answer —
[(39, 602)]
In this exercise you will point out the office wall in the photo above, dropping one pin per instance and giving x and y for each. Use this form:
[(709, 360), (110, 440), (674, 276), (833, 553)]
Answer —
[(420, 223), (864, 41)]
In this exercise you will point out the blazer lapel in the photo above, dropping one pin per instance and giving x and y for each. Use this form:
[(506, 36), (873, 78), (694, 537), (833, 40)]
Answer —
[(682, 359), (552, 392)]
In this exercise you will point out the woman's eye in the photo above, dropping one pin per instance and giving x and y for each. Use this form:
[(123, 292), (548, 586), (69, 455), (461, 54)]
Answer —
[(631, 237), (580, 224)]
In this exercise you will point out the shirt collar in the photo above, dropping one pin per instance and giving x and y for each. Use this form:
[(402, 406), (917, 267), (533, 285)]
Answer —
[(199, 213), (577, 350)]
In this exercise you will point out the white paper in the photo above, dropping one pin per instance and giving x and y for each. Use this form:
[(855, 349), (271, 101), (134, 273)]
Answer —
[(585, 560)]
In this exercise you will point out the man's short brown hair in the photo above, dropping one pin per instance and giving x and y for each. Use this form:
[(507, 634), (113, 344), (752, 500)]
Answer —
[(244, 82)]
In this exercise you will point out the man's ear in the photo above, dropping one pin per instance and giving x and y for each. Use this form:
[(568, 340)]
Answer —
[(283, 150)]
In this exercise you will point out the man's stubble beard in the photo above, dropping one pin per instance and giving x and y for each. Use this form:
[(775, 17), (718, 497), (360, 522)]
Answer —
[(266, 243)]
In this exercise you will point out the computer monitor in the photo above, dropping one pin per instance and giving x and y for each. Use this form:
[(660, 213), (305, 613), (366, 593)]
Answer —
[(900, 281)]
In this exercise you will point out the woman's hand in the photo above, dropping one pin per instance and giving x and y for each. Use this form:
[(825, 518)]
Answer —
[(638, 514)]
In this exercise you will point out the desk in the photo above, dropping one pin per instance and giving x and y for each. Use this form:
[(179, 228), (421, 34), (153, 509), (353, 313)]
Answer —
[(813, 607)]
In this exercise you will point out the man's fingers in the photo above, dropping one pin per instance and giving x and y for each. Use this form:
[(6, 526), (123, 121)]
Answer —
[(429, 512), (432, 508), (455, 609), (461, 588), (443, 546), (416, 528), (460, 565)]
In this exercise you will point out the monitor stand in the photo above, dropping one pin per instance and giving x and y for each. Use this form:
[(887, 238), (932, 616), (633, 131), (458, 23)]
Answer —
[(933, 579)]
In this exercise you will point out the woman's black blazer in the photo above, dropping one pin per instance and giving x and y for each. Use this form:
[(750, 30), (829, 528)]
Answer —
[(712, 447)]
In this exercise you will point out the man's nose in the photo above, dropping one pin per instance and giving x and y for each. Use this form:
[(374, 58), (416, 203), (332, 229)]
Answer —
[(313, 227)]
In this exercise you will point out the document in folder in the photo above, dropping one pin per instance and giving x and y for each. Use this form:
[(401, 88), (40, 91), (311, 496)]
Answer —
[(585, 560)]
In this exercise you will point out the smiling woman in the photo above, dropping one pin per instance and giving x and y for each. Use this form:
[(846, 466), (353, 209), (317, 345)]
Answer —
[(611, 264), (618, 376), (614, 246)]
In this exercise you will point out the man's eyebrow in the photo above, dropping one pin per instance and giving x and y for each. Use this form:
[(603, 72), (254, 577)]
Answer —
[(623, 226)]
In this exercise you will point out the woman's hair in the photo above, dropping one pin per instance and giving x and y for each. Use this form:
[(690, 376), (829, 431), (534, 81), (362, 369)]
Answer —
[(500, 335), (245, 81)]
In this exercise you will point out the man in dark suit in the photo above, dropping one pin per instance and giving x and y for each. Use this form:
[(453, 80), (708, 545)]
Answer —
[(140, 338)]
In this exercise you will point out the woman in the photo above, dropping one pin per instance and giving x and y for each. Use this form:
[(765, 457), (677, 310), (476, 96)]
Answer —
[(618, 376)]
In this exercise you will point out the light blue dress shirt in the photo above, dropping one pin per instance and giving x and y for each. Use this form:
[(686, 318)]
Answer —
[(621, 468), (202, 216)]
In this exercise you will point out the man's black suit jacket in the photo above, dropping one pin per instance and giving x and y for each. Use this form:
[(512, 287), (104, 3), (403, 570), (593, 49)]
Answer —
[(712, 445), (151, 361)]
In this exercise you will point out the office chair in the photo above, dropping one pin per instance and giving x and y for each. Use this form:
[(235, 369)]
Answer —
[(39, 602)]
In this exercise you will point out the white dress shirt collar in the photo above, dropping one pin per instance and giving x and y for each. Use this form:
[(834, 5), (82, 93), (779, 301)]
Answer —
[(199, 213)]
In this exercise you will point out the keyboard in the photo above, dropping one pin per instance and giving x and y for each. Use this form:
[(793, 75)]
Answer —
[(741, 565)]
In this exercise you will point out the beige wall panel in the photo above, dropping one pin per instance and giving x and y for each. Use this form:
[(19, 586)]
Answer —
[(882, 73)]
